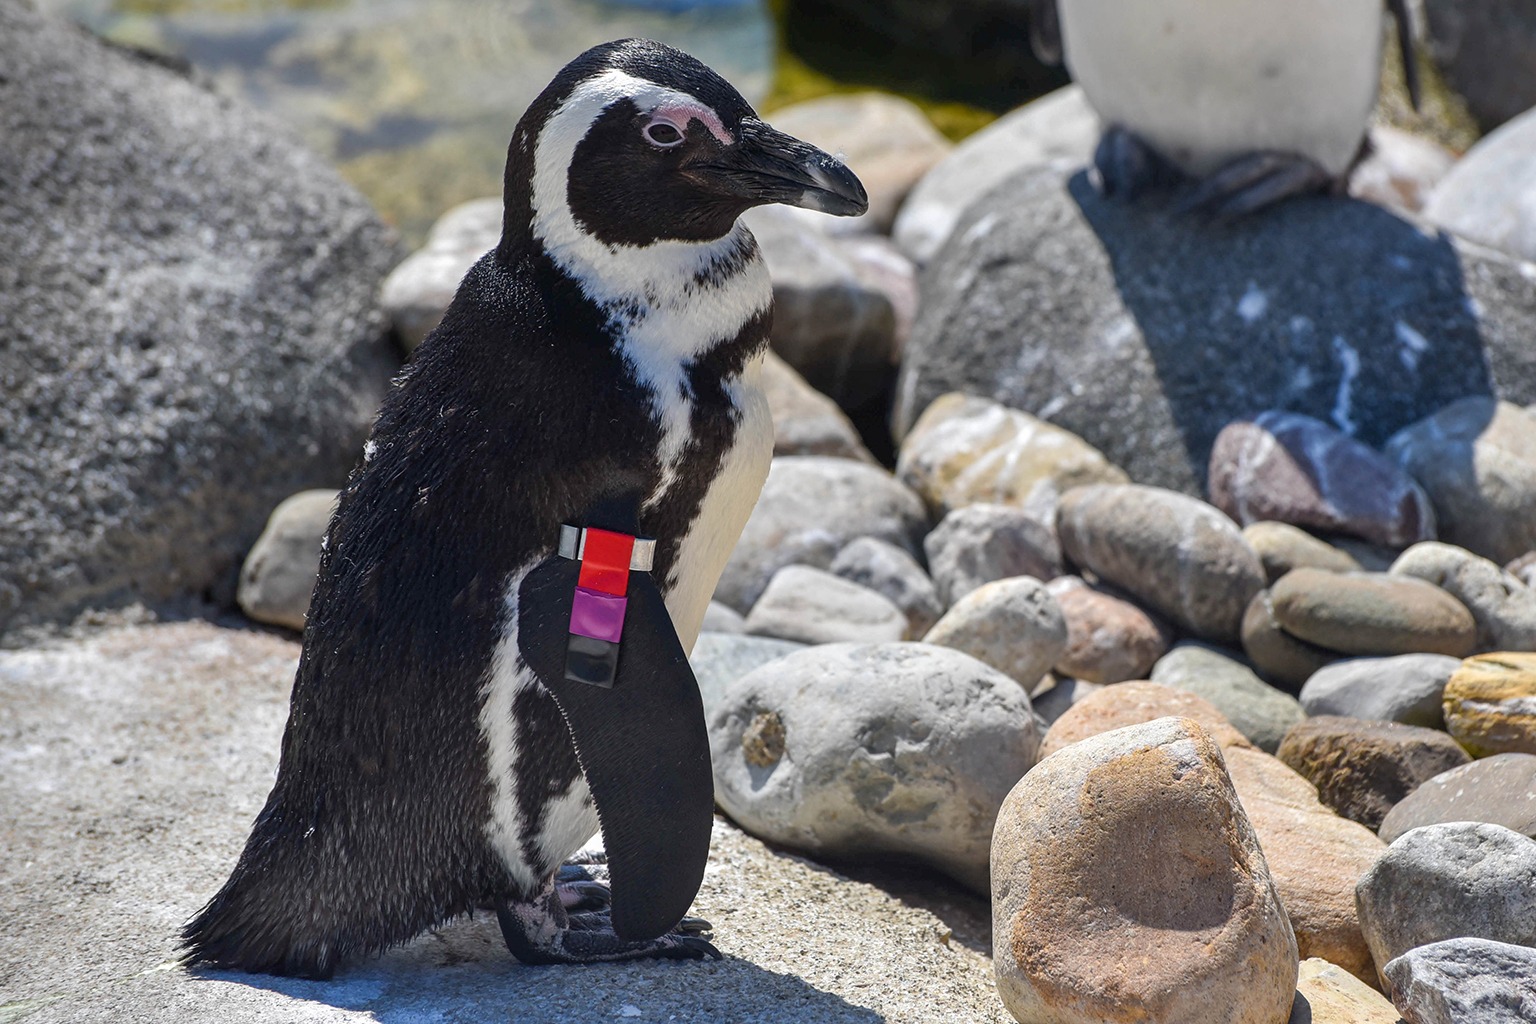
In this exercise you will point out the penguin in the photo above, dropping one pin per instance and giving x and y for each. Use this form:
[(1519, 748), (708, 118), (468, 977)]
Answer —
[(494, 663), (1257, 100)]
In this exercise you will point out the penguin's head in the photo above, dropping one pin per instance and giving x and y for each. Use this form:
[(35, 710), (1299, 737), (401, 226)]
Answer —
[(636, 143)]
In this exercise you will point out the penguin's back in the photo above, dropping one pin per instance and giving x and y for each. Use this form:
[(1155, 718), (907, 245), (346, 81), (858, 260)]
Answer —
[(1205, 82)]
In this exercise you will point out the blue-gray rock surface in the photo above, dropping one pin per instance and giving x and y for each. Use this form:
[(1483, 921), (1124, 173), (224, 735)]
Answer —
[(1465, 981), (1405, 688)]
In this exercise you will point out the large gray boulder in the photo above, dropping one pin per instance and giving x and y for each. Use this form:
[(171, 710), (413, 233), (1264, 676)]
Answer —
[(188, 326), (1146, 332)]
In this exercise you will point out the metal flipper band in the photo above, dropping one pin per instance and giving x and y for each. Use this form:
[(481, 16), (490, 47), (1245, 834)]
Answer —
[(597, 609)]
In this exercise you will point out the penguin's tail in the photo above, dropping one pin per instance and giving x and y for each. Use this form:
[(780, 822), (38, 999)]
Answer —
[(252, 926)]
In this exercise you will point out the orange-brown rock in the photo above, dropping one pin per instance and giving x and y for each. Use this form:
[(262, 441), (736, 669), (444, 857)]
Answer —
[(1133, 703), (1490, 704)]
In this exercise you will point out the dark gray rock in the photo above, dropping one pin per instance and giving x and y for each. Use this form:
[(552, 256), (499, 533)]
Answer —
[(892, 572), (1500, 790), (1465, 981), (1487, 49), (1145, 332), (1406, 688), (189, 330), (981, 543)]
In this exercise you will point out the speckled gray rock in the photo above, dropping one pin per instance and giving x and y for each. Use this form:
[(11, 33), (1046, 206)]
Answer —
[(893, 573), (1256, 709), (981, 543), (1278, 656), (1196, 934), (805, 421), (719, 659), (815, 607), (1500, 790), (1176, 554), (189, 329), (1406, 688), (417, 292), (1059, 129), (1146, 332), (1109, 639), (1282, 547), (1503, 607), (1372, 614), (1296, 469), (1477, 459), (865, 751), (1013, 624), (1465, 981), (1459, 879), (279, 574), (810, 507)]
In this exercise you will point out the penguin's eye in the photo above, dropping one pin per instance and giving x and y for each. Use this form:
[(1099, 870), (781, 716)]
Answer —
[(663, 134)]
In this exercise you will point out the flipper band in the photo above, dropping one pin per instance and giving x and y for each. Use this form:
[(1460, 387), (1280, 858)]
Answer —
[(597, 608), (573, 544)]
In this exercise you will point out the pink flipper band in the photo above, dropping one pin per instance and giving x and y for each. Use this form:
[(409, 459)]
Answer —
[(597, 615)]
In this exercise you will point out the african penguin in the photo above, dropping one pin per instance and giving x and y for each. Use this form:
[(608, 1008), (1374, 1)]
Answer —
[(1257, 99), (597, 371)]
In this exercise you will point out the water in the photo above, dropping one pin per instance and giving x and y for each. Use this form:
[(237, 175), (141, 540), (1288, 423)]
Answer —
[(414, 100)]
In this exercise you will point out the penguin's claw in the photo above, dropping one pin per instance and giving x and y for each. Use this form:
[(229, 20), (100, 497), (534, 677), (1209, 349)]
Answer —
[(579, 896), (1255, 181), (1125, 166)]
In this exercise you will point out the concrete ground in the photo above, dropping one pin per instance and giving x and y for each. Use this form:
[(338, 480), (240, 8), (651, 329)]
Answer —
[(132, 762)]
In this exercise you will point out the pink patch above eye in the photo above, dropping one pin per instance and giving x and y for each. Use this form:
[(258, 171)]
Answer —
[(681, 113)]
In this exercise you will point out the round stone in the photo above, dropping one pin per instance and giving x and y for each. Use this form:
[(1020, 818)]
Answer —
[(1134, 703), (1258, 710), (1014, 625), (815, 607), (1372, 614), (981, 543), (1503, 607), (1109, 639), (1277, 655), (1282, 547), (279, 574), (1406, 688)]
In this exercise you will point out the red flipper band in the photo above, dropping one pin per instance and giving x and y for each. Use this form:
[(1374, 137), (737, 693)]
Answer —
[(597, 607)]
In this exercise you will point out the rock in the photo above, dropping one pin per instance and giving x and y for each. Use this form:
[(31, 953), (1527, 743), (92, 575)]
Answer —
[(868, 751), (1059, 129), (1372, 614), (1490, 704), (815, 607), (1363, 767), (1197, 934), (149, 750), (1141, 330), (1258, 710), (719, 618), (887, 141), (834, 319), (1524, 568), (1057, 698), (1370, 557), (719, 659), (1276, 655), (1178, 555), (1315, 857), (279, 573), (1328, 994), (805, 421), (1014, 625), (1401, 169), (981, 543), (891, 572), (1406, 688), (1487, 49), (1282, 547), (1477, 460), (1503, 607), (1499, 790), (1486, 196), (1465, 981), (417, 292), (1134, 703), (188, 322), (1296, 469), (810, 508), (1457, 880), (1109, 639), (966, 450)]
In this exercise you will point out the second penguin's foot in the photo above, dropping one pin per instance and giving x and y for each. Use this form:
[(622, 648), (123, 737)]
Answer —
[(1255, 181)]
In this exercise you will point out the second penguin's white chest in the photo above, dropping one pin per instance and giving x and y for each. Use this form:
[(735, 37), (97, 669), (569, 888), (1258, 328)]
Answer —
[(1205, 81)]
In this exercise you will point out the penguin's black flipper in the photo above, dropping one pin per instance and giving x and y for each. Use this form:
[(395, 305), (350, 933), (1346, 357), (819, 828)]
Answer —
[(642, 745), (1404, 18)]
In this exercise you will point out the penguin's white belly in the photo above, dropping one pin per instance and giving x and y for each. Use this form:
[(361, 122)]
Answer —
[(1205, 81)]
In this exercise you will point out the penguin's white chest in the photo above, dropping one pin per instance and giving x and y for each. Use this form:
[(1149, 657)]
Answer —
[(1205, 81)]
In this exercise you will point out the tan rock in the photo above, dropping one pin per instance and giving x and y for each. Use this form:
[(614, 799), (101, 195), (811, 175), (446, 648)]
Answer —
[(1014, 625), (1328, 994), (1490, 704), (1133, 703), (965, 449), (279, 573), (1109, 639), (1372, 613), (1315, 857), (1282, 547), (805, 421), (1128, 885)]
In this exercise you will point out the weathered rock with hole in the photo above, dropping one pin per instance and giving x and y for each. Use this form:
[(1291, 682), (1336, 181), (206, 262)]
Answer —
[(1465, 981), (863, 751), (981, 543), (1258, 710), (1014, 625), (1406, 688), (1499, 790), (1372, 614), (813, 606), (1109, 639), (1490, 704), (719, 659), (279, 574), (1503, 607), (1197, 934)]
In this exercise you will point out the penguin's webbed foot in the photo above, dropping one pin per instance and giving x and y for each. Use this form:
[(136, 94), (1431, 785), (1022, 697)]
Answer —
[(1255, 181), (1125, 166), (541, 931)]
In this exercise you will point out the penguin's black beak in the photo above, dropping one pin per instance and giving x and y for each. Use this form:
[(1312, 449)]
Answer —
[(767, 166)]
